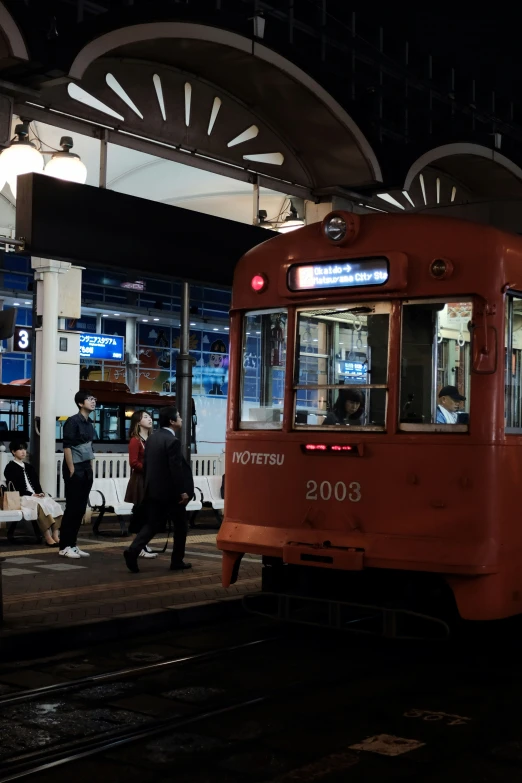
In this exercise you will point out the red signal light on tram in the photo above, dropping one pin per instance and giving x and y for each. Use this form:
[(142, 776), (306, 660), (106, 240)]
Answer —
[(258, 283), (316, 447), (341, 448)]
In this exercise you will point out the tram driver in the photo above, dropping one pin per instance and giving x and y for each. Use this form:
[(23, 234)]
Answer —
[(449, 404), (348, 408)]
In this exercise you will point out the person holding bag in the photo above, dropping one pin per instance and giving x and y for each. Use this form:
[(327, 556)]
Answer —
[(140, 427), (34, 504)]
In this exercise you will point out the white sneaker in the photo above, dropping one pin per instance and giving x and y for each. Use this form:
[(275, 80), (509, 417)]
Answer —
[(147, 553), (69, 552), (80, 552)]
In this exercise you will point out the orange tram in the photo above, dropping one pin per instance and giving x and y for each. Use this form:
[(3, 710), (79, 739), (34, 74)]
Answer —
[(374, 439)]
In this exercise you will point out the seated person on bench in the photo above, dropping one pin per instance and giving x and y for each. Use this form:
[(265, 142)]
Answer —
[(35, 505)]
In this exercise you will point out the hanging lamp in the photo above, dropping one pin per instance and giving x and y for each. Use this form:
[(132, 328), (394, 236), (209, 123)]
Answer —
[(21, 157), (66, 164)]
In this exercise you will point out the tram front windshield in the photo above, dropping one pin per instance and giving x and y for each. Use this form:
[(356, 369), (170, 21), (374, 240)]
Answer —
[(340, 372)]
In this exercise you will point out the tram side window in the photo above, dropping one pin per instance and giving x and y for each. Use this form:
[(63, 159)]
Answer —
[(263, 373), (513, 412), (435, 365), (342, 366)]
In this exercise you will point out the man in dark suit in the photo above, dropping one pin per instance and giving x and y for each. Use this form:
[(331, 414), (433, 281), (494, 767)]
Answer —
[(169, 486)]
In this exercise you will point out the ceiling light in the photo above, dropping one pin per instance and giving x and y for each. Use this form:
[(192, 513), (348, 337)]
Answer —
[(192, 324), (21, 157), (16, 304), (216, 329), (66, 164), (145, 320), (155, 319), (115, 313), (227, 328), (27, 302), (105, 316), (390, 200), (407, 195)]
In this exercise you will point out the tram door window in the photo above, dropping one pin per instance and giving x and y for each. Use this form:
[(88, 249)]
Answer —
[(513, 412), (341, 368), (263, 373), (435, 357)]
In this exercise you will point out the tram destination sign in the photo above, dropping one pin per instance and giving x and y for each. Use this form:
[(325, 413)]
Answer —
[(344, 273), (101, 346)]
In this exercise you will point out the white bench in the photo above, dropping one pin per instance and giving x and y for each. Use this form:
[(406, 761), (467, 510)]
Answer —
[(7, 517), (111, 493), (103, 496), (214, 483), (209, 488)]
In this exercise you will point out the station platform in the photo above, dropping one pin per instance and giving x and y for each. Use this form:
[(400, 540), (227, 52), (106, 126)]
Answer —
[(44, 592)]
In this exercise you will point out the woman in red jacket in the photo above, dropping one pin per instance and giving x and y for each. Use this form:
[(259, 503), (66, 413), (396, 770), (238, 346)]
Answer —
[(140, 427)]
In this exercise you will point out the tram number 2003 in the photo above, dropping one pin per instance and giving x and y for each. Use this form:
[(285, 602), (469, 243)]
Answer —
[(338, 491)]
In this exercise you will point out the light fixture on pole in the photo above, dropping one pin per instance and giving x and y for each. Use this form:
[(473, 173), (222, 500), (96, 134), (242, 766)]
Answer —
[(21, 157), (66, 164)]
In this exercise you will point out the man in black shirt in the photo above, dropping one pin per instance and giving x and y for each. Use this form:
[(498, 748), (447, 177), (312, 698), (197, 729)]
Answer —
[(78, 435)]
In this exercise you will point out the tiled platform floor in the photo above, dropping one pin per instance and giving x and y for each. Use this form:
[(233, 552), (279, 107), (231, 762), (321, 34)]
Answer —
[(43, 589)]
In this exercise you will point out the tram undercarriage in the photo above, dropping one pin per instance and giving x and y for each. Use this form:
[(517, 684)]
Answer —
[(393, 603)]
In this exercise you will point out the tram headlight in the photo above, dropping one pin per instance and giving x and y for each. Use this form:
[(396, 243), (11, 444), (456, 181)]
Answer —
[(341, 228), (335, 228)]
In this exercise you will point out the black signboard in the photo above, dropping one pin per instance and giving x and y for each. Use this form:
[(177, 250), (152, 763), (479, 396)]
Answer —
[(22, 339), (344, 273)]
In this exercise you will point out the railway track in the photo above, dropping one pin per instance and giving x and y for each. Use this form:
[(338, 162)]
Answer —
[(52, 698)]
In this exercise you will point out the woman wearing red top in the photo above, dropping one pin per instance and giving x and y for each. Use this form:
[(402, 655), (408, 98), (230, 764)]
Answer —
[(140, 427)]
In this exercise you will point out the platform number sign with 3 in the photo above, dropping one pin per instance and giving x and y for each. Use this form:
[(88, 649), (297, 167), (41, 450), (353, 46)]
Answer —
[(327, 490), (22, 339)]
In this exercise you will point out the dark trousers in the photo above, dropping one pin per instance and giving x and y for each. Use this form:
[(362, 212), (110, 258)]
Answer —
[(158, 512), (77, 488), (138, 518)]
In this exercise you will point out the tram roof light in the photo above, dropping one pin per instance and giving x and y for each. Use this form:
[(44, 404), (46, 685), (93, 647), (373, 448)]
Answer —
[(335, 228), (340, 228), (258, 283)]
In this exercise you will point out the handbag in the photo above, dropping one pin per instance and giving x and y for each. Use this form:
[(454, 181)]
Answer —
[(10, 498)]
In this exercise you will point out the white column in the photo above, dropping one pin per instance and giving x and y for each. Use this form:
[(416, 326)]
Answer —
[(48, 388), (130, 353), (47, 272)]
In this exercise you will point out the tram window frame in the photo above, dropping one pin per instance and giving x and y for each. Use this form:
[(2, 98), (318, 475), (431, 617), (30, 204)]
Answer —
[(509, 429), (461, 428), (260, 378), (379, 307)]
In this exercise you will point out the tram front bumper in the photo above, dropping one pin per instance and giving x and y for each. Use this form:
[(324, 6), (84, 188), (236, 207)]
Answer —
[(355, 551)]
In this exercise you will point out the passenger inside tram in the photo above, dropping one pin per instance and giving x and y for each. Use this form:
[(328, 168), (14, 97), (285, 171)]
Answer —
[(348, 408), (449, 404)]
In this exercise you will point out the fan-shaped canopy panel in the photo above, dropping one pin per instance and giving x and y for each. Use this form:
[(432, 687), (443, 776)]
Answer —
[(207, 91)]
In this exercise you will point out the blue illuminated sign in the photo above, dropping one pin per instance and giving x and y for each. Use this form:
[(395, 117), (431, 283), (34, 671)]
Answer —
[(101, 346), (348, 273)]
